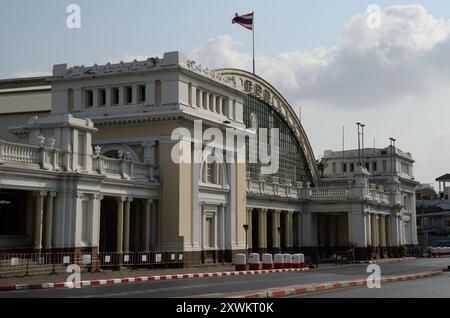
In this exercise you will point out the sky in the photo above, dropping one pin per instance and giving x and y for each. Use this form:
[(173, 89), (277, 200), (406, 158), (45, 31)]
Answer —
[(322, 55)]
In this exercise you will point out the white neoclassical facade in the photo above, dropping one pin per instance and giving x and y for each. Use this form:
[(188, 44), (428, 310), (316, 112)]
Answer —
[(86, 164)]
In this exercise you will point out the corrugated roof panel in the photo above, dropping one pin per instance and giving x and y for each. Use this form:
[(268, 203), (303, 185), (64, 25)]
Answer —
[(25, 102)]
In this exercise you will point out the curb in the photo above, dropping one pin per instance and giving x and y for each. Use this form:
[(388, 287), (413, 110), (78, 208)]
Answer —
[(115, 281), (389, 260), (308, 289)]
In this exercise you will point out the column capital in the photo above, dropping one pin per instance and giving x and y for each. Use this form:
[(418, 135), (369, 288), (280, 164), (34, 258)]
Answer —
[(148, 201), (98, 196), (42, 193), (128, 199), (53, 194), (121, 199)]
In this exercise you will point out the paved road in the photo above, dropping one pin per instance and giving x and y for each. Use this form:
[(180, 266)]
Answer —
[(208, 286), (436, 287)]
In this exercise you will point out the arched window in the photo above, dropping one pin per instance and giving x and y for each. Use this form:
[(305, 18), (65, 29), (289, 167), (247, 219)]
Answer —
[(213, 171)]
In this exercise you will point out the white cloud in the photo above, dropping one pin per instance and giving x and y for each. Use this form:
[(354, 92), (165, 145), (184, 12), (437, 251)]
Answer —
[(395, 79), (407, 56)]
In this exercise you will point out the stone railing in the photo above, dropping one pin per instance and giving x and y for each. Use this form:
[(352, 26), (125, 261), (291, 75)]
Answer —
[(329, 194), (271, 189), (52, 159), (39, 157), (124, 169), (378, 196)]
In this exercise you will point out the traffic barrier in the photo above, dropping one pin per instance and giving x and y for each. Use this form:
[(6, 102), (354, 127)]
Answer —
[(295, 261), (267, 261), (278, 261), (253, 262), (241, 262), (440, 251), (302, 260), (287, 260)]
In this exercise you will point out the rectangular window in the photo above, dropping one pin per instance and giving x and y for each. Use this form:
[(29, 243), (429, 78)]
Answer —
[(115, 96), (204, 100), (70, 100), (374, 166), (334, 168), (209, 232), (384, 165), (158, 93), (197, 97), (89, 98), (190, 94), (101, 97), (352, 167), (128, 90), (344, 168), (367, 166), (141, 94), (81, 150)]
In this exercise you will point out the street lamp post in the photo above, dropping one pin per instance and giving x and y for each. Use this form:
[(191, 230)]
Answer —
[(359, 144)]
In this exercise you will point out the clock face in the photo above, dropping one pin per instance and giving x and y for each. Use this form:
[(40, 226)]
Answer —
[(253, 121)]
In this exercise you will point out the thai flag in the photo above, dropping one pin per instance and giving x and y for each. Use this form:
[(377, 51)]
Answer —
[(245, 20)]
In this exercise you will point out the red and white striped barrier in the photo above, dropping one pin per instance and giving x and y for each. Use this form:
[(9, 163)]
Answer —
[(115, 281), (267, 261), (253, 262), (287, 260), (278, 261), (240, 262), (307, 289)]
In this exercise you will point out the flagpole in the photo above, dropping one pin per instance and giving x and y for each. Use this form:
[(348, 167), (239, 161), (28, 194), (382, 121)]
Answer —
[(253, 32)]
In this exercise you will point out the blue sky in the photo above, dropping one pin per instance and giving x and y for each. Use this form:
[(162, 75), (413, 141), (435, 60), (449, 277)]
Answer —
[(34, 35), (320, 54)]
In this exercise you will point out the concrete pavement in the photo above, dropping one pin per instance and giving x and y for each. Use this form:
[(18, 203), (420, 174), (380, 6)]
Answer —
[(436, 287), (220, 285)]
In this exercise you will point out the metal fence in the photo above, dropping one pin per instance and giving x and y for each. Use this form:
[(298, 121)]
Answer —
[(26, 264)]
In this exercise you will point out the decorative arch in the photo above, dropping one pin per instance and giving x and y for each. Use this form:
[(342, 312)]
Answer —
[(256, 86), (120, 147)]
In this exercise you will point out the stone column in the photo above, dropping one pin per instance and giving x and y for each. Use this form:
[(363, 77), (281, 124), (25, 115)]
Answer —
[(49, 220), (39, 218), (126, 226), (119, 245), (382, 226), (288, 229), (250, 227), (262, 238), (222, 227), (275, 230), (373, 230), (368, 220), (96, 210), (147, 224)]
